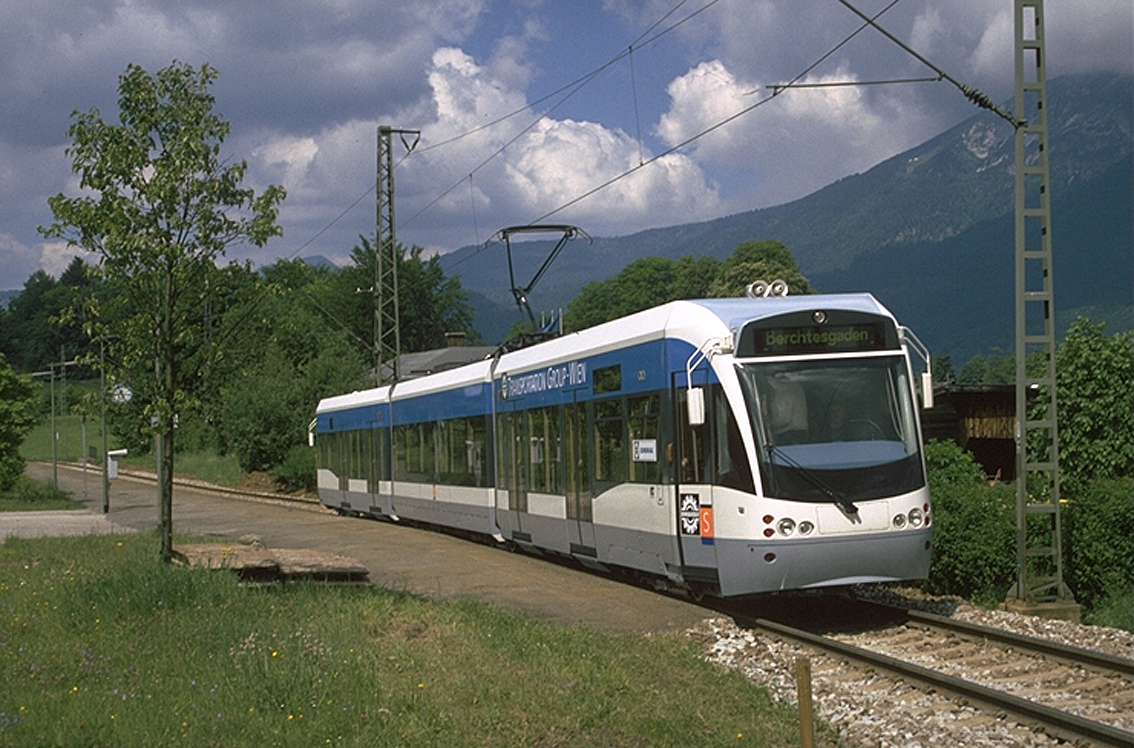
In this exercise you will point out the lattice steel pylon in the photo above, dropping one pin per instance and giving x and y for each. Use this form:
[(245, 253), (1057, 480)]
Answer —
[(1038, 537), (387, 327)]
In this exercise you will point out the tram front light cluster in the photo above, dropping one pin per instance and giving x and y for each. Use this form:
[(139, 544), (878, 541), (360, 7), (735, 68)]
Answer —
[(786, 527), (915, 517)]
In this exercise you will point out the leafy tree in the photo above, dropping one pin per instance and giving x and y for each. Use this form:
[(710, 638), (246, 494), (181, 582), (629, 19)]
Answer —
[(160, 206), (651, 281), (17, 417), (996, 369), (766, 260), (975, 371), (429, 303), (285, 358), (640, 285), (26, 337), (1095, 391), (974, 524), (943, 369), (40, 325)]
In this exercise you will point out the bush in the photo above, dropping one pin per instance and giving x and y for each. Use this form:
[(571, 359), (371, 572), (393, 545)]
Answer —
[(297, 471), (1098, 541), (948, 464), (974, 537), (17, 417), (27, 494)]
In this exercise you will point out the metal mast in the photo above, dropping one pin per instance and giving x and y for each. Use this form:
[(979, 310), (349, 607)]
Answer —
[(387, 331), (1038, 538)]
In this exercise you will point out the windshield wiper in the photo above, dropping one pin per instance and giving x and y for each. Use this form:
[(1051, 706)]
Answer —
[(845, 504)]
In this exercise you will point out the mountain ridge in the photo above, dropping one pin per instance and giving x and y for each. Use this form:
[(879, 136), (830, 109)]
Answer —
[(884, 230)]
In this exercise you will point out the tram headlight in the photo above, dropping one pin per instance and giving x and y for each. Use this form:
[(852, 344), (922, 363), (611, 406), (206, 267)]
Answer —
[(916, 517), (785, 526), (899, 521), (806, 528)]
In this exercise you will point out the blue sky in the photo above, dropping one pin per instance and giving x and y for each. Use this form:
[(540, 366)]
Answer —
[(305, 84)]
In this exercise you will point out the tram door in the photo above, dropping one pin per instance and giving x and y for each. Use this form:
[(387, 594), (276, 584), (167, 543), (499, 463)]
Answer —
[(513, 476), (693, 458), (580, 520)]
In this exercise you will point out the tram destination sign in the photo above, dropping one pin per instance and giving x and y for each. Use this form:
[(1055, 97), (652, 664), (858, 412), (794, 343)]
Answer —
[(808, 339)]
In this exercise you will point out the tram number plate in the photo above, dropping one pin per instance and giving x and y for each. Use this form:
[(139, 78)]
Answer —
[(833, 521)]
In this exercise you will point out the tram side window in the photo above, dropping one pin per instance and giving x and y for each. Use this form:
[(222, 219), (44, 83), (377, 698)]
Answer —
[(382, 454), (451, 451), (462, 458), (414, 453), (476, 451), (607, 379), (370, 457), (544, 455), (347, 460), (359, 453), (324, 451), (610, 452), (644, 420)]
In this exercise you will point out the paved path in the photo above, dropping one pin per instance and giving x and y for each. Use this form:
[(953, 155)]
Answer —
[(418, 561)]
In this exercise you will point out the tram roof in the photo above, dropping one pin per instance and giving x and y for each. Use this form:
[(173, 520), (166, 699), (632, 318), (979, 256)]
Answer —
[(673, 318), (735, 312)]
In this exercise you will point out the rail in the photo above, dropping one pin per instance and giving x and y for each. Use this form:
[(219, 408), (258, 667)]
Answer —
[(1062, 724)]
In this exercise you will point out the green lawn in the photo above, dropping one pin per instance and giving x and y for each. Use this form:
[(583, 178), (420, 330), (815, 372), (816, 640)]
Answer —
[(221, 470), (31, 495), (101, 644)]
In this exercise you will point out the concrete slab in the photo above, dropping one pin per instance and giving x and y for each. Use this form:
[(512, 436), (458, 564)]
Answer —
[(256, 563)]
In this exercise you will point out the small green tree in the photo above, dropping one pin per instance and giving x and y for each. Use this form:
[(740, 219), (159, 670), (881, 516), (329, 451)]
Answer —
[(640, 285), (766, 260), (17, 417), (429, 303), (160, 206), (1094, 379)]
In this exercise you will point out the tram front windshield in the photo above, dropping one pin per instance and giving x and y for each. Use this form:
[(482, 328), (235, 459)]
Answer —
[(834, 430)]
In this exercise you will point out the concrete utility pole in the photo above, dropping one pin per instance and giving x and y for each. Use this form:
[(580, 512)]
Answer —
[(1039, 583), (387, 329)]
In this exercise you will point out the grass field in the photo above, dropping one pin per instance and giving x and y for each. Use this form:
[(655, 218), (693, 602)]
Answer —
[(101, 644), (221, 470), (69, 440), (30, 495)]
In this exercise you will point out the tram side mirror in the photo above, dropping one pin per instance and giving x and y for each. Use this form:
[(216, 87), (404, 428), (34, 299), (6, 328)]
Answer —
[(926, 390), (695, 405)]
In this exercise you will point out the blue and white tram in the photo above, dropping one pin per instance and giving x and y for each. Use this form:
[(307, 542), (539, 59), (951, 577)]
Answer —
[(729, 446)]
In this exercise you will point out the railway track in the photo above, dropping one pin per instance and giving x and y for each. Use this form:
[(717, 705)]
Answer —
[(236, 493), (994, 677)]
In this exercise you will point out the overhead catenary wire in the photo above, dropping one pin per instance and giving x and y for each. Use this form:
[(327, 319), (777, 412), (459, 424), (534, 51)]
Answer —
[(737, 115), (727, 120), (571, 88), (971, 93), (644, 39)]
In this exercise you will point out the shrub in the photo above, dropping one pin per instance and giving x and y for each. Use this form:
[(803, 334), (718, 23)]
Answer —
[(974, 537), (948, 464), (297, 471), (1098, 541), (17, 416)]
